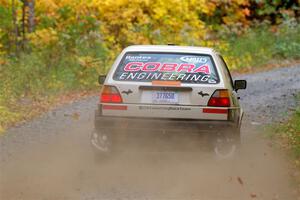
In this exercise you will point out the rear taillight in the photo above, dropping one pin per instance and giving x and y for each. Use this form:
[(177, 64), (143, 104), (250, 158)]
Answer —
[(220, 98), (110, 94)]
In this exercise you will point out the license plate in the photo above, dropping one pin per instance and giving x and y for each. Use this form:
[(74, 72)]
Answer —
[(164, 97)]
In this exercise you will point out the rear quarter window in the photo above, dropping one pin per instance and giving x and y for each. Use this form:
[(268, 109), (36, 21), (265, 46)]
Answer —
[(148, 67), (227, 72)]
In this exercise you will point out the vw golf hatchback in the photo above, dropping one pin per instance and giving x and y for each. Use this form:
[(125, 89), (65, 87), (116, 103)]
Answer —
[(165, 88)]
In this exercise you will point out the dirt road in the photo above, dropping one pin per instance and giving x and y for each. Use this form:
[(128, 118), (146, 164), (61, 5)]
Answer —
[(50, 157)]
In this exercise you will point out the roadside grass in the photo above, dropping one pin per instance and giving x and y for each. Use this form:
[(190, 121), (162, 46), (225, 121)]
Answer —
[(288, 135)]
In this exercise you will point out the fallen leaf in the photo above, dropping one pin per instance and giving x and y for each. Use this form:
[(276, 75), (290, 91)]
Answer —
[(270, 145), (252, 195), (240, 180), (75, 116)]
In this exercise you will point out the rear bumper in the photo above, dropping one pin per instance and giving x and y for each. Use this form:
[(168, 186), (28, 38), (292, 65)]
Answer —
[(161, 124)]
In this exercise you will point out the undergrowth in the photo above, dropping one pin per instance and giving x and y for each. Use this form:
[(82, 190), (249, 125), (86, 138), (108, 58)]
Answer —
[(262, 45)]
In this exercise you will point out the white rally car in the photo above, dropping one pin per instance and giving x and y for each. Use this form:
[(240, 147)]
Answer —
[(157, 87)]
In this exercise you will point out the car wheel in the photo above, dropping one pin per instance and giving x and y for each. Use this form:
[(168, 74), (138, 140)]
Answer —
[(101, 144), (227, 144)]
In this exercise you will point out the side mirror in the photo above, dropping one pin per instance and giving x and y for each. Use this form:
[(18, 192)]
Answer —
[(101, 79), (240, 85)]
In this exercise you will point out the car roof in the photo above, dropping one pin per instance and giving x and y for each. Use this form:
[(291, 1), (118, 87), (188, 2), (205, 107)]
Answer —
[(169, 48)]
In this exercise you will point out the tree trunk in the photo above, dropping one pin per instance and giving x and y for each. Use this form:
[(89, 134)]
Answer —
[(15, 27), (24, 23), (31, 21)]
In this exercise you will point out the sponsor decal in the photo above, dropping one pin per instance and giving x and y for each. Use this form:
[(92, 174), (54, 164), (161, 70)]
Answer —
[(138, 58), (212, 81), (163, 76), (166, 72), (193, 59), (201, 93), (127, 92), (166, 67), (163, 108)]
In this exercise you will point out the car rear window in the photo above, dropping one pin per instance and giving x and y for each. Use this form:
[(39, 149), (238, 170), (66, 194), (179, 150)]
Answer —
[(148, 67)]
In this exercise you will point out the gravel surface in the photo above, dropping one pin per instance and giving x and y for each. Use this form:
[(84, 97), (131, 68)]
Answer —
[(270, 95), (50, 158)]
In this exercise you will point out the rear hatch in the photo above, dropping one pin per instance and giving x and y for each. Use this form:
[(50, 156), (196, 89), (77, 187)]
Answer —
[(176, 84)]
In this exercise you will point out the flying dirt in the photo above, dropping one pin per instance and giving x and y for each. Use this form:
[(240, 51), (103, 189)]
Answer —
[(51, 157)]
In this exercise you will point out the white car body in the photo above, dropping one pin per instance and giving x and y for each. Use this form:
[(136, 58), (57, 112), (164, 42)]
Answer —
[(189, 102)]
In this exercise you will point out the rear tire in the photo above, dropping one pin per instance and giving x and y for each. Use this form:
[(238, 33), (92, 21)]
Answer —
[(227, 144), (101, 145)]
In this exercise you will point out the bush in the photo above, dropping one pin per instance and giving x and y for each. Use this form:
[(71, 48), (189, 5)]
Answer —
[(262, 45)]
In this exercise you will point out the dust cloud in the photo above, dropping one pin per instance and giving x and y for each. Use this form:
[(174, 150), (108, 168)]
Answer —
[(166, 166), (57, 161)]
